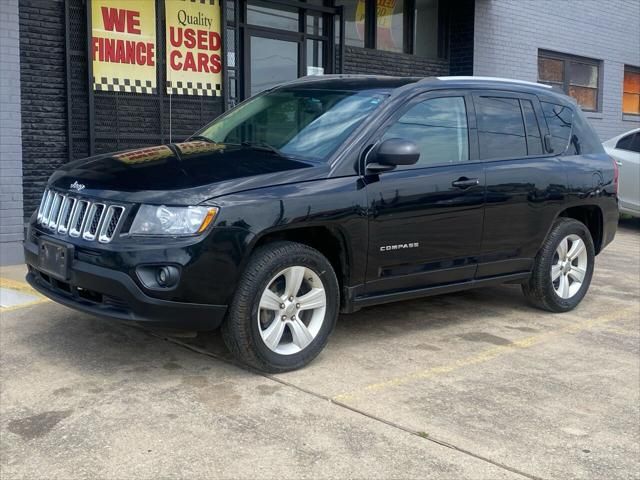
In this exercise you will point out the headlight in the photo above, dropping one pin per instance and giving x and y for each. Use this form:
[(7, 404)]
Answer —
[(161, 220)]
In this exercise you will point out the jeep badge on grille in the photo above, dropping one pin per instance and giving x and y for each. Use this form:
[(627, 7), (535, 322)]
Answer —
[(76, 186)]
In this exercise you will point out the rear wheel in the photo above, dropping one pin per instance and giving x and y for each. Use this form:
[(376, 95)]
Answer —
[(285, 308), (563, 267)]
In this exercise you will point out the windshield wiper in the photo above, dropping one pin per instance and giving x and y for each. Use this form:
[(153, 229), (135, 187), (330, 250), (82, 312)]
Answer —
[(262, 146), (200, 137)]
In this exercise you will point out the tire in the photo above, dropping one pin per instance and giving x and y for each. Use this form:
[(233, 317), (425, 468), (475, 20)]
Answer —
[(565, 291), (261, 337)]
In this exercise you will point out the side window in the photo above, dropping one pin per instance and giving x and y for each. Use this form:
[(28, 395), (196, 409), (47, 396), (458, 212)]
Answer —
[(625, 142), (635, 144), (439, 127), (534, 139), (559, 119), (500, 128)]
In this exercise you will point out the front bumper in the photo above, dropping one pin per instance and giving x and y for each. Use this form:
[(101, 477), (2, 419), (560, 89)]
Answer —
[(110, 293)]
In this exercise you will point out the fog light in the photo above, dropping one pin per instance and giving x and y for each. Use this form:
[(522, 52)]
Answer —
[(167, 276), (158, 277)]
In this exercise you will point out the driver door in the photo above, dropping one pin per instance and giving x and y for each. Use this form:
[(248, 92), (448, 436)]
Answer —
[(425, 220)]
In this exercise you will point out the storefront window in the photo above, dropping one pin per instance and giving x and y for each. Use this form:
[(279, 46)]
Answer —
[(354, 13), (267, 15), (315, 23), (390, 25), (426, 28), (315, 60)]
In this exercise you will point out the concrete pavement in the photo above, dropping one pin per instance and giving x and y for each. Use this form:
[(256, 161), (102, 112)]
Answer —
[(469, 385)]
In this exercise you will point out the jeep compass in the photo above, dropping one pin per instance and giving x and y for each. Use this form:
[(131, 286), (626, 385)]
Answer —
[(327, 195)]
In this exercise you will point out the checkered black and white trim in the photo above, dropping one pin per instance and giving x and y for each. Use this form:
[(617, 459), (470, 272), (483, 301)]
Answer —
[(194, 88), (106, 84)]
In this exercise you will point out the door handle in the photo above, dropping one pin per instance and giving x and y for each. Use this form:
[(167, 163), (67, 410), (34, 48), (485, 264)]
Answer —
[(464, 182)]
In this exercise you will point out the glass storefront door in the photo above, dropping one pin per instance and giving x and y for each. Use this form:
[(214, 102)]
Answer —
[(272, 60), (282, 41)]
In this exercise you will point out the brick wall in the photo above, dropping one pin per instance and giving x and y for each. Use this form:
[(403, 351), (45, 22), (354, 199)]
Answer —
[(508, 34), (43, 87), (375, 62), (461, 28), (11, 211)]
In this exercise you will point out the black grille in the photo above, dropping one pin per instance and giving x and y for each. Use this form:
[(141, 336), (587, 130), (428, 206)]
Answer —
[(115, 218), (83, 212), (96, 219), (67, 216)]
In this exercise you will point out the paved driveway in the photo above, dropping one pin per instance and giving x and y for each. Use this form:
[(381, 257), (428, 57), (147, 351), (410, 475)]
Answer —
[(468, 385)]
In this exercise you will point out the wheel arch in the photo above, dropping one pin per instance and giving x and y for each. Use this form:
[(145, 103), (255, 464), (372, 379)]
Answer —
[(592, 217), (329, 241)]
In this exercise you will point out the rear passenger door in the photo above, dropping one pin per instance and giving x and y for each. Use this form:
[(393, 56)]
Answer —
[(523, 181)]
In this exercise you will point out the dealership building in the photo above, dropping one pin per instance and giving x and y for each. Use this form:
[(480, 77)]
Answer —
[(84, 77)]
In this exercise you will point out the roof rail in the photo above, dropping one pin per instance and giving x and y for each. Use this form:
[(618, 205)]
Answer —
[(497, 79)]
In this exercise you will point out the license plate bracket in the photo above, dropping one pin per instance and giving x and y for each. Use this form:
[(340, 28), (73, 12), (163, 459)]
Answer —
[(54, 258)]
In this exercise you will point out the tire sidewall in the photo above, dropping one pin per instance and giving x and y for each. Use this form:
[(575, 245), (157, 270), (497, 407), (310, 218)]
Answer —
[(562, 231), (310, 259)]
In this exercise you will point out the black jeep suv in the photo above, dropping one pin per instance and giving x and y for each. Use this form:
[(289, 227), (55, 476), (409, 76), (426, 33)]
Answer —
[(330, 194)]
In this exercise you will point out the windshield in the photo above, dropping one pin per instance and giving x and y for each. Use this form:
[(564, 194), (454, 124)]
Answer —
[(302, 123)]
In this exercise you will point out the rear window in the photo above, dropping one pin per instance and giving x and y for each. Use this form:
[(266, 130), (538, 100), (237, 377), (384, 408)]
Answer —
[(625, 142), (630, 143)]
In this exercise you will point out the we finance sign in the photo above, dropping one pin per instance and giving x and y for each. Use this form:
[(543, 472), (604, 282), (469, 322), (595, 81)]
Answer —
[(194, 47), (123, 45)]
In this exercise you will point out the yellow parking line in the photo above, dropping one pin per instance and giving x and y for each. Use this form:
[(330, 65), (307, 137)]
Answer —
[(17, 285), (24, 305), (23, 287), (486, 355)]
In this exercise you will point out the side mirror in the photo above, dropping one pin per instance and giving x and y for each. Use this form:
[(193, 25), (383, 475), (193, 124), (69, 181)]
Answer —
[(391, 153)]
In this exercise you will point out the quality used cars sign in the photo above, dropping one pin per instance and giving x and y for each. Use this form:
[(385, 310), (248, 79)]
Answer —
[(194, 62), (123, 45)]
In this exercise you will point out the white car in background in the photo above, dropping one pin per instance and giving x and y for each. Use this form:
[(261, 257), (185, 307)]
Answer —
[(625, 150)]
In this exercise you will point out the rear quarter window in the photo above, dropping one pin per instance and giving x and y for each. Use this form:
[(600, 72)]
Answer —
[(584, 138), (559, 120), (571, 133)]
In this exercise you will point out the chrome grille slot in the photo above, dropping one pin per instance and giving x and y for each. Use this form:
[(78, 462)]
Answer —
[(92, 223), (65, 216), (42, 204), (68, 214), (78, 218), (110, 223), (52, 221), (47, 206)]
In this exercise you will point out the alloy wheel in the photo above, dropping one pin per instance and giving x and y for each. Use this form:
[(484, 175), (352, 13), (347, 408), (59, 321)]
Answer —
[(569, 266), (292, 310)]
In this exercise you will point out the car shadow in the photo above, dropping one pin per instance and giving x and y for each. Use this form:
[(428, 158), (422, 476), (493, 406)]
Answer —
[(106, 347)]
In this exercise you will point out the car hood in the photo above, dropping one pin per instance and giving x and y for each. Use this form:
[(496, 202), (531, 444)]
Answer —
[(185, 173)]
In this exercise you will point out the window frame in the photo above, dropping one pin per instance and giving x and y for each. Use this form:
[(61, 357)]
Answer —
[(567, 59), (374, 137), (631, 69), (537, 108)]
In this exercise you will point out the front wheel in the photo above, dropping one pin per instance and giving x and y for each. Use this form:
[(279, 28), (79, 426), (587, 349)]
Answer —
[(285, 308), (563, 267)]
